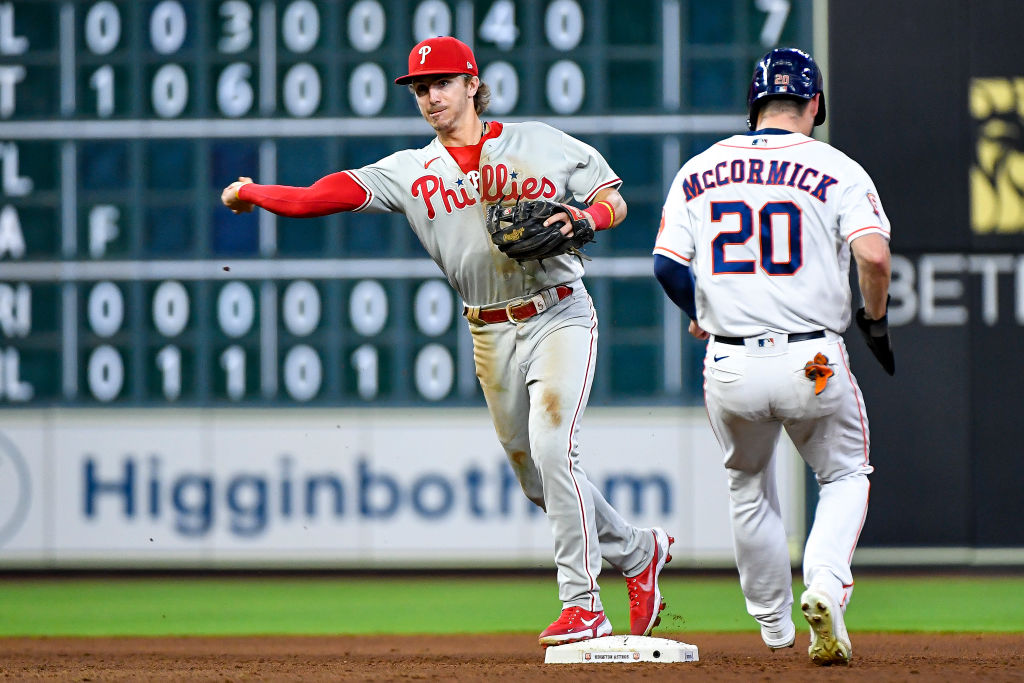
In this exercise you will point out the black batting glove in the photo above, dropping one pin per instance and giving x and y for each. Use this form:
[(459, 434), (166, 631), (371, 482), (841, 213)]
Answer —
[(876, 334)]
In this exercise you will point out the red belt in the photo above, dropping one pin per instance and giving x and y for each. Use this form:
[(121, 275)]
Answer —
[(519, 310)]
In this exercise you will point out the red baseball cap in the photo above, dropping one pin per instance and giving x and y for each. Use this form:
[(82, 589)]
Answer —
[(440, 55)]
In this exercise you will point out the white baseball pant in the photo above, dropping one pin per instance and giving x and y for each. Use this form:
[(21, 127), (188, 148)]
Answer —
[(752, 392)]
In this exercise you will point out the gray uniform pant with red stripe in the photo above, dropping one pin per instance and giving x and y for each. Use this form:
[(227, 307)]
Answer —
[(536, 377), (752, 392)]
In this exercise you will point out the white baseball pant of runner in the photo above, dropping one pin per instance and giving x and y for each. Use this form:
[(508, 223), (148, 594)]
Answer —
[(752, 392), (536, 377)]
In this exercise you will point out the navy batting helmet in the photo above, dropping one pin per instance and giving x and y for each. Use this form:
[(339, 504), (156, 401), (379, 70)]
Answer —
[(785, 72)]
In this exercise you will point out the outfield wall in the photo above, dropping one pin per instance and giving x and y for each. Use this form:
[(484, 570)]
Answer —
[(417, 488)]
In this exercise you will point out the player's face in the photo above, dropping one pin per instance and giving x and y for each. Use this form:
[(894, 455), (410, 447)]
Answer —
[(445, 101)]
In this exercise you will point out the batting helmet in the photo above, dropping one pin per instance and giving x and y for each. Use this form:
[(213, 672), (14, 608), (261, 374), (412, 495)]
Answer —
[(785, 72)]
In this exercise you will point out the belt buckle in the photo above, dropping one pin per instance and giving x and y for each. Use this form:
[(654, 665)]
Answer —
[(508, 310)]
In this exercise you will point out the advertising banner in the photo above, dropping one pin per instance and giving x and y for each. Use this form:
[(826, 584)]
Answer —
[(339, 488)]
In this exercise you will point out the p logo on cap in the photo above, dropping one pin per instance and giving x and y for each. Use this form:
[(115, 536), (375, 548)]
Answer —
[(437, 56)]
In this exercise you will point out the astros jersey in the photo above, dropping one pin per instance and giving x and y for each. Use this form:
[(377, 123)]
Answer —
[(446, 207), (764, 220)]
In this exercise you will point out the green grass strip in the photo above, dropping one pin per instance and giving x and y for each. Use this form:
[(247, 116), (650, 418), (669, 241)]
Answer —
[(316, 605)]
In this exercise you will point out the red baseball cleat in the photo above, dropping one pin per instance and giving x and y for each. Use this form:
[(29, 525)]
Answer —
[(575, 624), (645, 601)]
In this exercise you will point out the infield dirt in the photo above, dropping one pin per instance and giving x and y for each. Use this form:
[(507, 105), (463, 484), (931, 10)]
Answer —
[(515, 657)]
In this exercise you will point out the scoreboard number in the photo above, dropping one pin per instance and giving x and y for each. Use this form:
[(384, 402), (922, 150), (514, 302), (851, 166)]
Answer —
[(499, 24), (236, 29), (102, 27), (167, 27), (563, 24), (366, 24)]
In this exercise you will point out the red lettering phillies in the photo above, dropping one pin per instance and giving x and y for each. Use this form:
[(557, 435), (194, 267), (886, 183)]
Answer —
[(495, 185), (427, 186)]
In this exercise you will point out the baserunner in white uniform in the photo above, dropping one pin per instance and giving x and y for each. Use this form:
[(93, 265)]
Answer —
[(766, 222), (534, 326)]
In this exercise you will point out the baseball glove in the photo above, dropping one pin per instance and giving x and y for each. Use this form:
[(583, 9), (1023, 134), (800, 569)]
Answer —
[(519, 231)]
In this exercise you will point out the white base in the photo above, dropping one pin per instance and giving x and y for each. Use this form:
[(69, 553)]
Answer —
[(621, 650)]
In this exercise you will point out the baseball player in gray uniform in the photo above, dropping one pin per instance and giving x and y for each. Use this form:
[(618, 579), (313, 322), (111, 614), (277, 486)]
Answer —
[(533, 325), (767, 222)]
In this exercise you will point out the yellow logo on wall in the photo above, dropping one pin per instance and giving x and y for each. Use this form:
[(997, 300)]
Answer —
[(997, 171)]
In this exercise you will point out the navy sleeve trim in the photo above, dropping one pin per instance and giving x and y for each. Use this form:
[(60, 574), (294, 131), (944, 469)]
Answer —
[(677, 281)]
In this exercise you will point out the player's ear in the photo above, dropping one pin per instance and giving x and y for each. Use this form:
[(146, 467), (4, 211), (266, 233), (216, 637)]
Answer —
[(815, 104), (472, 85)]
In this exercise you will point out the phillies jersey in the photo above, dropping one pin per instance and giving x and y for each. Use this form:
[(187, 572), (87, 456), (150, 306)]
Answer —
[(764, 220), (446, 207)]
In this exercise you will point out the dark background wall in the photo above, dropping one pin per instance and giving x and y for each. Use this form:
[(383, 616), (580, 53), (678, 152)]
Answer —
[(907, 103)]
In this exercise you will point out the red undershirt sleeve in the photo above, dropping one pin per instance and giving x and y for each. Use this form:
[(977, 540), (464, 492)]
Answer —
[(331, 194)]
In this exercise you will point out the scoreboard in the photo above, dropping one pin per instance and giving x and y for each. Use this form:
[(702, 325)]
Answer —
[(124, 282)]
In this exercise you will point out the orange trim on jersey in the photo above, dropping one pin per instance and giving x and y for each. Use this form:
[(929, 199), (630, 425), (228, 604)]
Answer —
[(669, 251), (766, 149), (870, 227)]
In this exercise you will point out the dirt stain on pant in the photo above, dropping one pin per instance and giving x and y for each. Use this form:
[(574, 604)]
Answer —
[(551, 404)]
